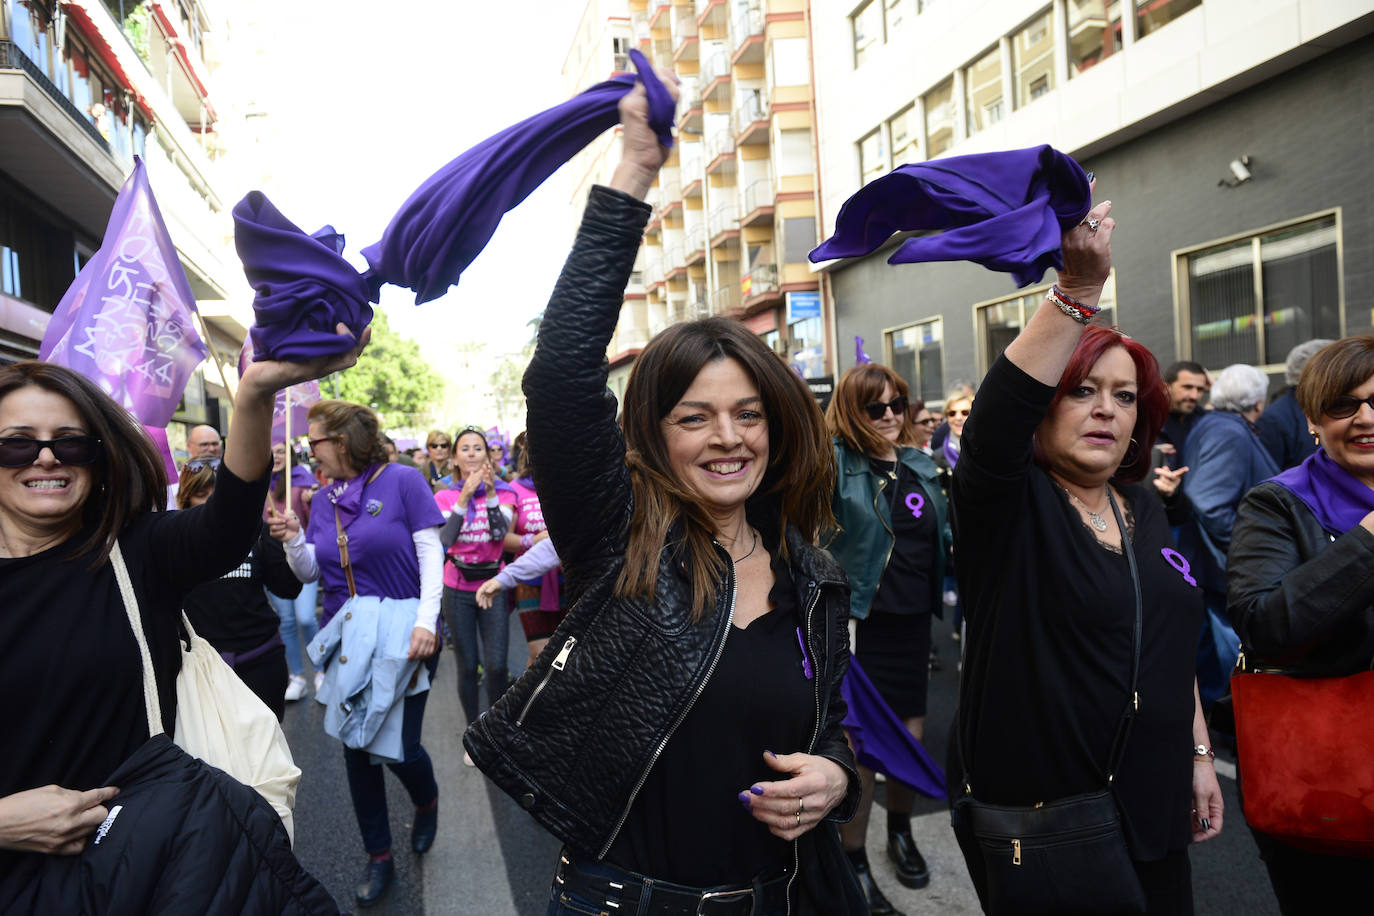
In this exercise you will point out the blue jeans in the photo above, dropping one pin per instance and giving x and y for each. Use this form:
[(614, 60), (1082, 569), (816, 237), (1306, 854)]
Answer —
[(298, 623), (416, 773), (465, 622)]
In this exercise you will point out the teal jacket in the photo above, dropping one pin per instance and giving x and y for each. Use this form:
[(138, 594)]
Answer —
[(863, 539)]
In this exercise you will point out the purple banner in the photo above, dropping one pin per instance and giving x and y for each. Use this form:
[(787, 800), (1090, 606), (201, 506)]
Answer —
[(125, 323), (298, 399)]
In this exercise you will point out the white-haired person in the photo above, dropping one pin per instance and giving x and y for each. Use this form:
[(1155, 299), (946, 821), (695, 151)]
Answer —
[(1225, 459), (1283, 426)]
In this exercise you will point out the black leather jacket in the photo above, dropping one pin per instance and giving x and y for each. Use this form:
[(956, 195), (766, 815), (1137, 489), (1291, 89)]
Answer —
[(1300, 599), (575, 737)]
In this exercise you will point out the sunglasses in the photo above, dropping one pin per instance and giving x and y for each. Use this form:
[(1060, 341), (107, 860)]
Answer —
[(315, 443), (200, 464), (877, 409), (18, 451), (929, 421), (1346, 406), (438, 445), (957, 413)]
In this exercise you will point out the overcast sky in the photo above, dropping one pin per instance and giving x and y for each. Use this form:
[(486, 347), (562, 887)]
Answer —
[(366, 100)]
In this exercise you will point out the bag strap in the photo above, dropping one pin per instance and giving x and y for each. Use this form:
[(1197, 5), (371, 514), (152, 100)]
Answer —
[(342, 538), (1123, 726), (152, 704)]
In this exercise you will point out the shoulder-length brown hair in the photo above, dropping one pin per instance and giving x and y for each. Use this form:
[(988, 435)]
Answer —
[(858, 387), (191, 484), (796, 485), (128, 479), (1336, 369), (356, 426)]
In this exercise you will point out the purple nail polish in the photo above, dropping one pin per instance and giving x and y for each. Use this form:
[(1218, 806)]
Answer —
[(744, 799), (757, 790)]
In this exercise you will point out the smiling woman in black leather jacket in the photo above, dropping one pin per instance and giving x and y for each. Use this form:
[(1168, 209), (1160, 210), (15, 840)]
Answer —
[(681, 731)]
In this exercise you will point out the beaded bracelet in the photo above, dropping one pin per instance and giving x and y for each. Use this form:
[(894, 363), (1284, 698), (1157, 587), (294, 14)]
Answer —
[(1078, 311)]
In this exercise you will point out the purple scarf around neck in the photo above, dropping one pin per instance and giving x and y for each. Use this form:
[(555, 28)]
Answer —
[(479, 496), (347, 496), (1336, 498)]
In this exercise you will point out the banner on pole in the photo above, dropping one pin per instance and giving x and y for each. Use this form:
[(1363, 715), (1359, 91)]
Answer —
[(294, 401), (126, 321)]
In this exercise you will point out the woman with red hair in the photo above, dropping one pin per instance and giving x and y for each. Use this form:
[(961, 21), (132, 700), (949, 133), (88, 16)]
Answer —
[(1078, 675)]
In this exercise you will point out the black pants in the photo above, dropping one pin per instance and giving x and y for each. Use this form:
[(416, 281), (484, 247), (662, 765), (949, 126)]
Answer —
[(1311, 882), (266, 676)]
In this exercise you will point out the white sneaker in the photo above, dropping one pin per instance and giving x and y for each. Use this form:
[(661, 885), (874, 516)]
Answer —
[(295, 688), (319, 681)]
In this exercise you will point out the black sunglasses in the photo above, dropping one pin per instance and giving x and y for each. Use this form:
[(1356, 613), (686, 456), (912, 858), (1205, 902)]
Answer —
[(438, 445), (877, 409), (929, 421), (200, 464), (1346, 406), (18, 451)]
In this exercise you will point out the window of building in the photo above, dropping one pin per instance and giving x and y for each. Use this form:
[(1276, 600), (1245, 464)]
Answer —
[(1151, 15), (9, 272), (798, 238), (790, 62), (905, 131), (983, 91), (1094, 32), (1252, 299), (894, 13), (806, 346), (872, 157), (867, 23), (998, 321), (1032, 59), (793, 155), (940, 118), (916, 353)]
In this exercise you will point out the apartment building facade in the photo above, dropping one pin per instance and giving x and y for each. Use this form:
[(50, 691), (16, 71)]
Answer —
[(1230, 135), (85, 85), (735, 206)]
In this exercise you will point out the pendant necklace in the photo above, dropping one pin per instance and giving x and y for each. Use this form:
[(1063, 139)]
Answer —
[(1097, 521), (752, 548)]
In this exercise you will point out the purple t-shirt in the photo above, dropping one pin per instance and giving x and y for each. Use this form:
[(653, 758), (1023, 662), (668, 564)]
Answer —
[(380, 547)]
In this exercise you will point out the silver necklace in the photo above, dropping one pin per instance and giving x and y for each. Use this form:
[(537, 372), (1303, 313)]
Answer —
[(752, 548), (1096, 520)]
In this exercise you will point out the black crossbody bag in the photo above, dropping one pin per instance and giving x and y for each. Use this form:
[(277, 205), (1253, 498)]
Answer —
[(1068, 855)]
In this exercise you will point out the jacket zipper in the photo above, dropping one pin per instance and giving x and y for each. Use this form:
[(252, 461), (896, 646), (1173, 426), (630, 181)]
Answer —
[(559, 664), (815, 733), (892, 536), (634, 793)]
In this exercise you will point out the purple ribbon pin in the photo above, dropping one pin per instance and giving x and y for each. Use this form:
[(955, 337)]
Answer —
[(1178, 562), (914, 502)]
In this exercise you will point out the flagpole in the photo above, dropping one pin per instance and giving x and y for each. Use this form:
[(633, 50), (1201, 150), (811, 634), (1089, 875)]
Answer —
[(214, 352), (286, 509)]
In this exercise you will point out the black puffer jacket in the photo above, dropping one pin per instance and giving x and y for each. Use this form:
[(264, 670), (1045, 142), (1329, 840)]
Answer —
[(1300, 599), (575, 737)]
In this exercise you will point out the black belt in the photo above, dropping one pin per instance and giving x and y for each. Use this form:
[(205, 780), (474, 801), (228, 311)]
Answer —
[(621, 895)]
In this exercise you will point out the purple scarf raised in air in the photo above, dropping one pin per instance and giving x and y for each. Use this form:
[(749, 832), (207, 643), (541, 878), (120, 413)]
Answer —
[(1336, 498), (347, 496)]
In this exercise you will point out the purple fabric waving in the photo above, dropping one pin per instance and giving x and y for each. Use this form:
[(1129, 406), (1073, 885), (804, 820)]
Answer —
[(881, 742), (451, 217), (303, 285), (1004, 210), (1336, 498)]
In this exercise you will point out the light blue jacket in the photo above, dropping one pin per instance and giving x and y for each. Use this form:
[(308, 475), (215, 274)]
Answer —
[(363, 650)]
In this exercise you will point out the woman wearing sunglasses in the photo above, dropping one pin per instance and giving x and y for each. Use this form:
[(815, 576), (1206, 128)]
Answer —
[(957, 408), (1300, 582), (891, 537), (77, 474), (438, 466)]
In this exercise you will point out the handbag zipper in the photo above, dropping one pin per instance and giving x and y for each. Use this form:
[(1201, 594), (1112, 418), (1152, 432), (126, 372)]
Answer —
[(559, 663), (1015, 852), (634, 793), (815, 733)]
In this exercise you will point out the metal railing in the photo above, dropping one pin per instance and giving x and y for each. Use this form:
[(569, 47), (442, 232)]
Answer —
[(716, 65), (747, 23), (725, 298), (674, 259), (753, 109), (759, 194), (763, 279), (722, 219), (722, 141), (670, 186), (684, 25), (12, 58)]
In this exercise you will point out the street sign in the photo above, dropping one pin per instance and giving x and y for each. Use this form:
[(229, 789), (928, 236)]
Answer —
[(821, 389), (803, 304)]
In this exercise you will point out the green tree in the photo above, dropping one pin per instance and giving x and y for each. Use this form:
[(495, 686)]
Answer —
[(391, 377)]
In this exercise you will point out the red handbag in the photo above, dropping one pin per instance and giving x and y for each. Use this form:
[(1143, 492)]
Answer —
[(1306, 749)]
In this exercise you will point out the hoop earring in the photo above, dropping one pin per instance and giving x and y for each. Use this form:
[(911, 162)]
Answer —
[(1132, 452)]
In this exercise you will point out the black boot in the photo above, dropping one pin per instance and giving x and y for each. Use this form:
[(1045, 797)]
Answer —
[(912, 870), (376, 879), (426, 824), (878, 905)]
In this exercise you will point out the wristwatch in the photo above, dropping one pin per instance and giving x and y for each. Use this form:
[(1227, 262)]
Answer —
[(1203, 752)]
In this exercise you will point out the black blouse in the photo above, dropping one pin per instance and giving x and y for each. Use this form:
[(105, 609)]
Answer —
[(687, 825), (905, 586), (1050, 614)]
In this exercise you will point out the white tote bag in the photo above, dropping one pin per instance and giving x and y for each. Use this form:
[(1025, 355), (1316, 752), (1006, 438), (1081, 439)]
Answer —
[(219, 719)]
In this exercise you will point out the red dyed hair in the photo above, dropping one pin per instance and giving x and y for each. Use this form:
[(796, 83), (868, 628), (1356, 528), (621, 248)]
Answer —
[(1152, 395)]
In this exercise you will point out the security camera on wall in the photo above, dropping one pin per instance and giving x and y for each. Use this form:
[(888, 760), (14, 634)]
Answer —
[(1240, 173)]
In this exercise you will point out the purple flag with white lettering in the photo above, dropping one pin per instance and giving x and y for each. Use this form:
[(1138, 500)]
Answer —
[(125, 323)]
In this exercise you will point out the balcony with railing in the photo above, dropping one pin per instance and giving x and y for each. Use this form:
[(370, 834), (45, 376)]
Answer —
[(760, 285), (670, 190), (691, 176), (694, 238), (715, 76), (722, 225), (725, 299), (758, 203), (720, 150), (747, 36), (659, 11), (713, 16), (750, 121), (653, 271), (686, 34), (674, 262)]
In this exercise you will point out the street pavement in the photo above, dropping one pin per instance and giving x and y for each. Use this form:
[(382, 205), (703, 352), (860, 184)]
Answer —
[(491, 858)]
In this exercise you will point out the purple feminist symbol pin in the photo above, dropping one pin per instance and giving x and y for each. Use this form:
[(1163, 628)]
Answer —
[(1178, 562), (914, 502)]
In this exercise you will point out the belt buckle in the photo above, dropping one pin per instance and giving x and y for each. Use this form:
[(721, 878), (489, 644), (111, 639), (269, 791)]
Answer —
[(711, 897)]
